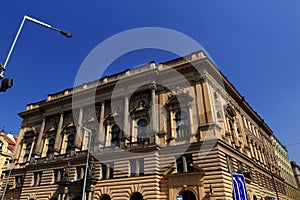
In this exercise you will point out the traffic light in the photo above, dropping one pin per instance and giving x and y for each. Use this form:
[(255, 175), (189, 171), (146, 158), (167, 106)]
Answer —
[(5, 84)]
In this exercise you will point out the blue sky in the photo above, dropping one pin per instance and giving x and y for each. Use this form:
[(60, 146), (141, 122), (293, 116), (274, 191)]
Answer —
[(255, 43)]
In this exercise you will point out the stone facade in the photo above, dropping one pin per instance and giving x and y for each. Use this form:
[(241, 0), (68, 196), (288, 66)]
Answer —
[(296, 171), (154, 132), (284, 164), (7, 146)]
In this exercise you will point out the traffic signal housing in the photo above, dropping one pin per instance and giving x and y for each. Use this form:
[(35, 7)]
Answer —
[(5, 84)]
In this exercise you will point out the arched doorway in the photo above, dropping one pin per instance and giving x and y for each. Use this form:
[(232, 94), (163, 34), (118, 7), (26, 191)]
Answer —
[(105, 197), (137, 196), (188, 195)]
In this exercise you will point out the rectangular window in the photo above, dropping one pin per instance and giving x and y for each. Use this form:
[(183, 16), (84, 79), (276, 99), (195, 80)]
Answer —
[(137, 167), (229, 164), (107, 170), (58, 174), (19, 180), (184, 163), (37, 177)]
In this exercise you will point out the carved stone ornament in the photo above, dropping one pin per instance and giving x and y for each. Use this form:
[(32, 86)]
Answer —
[(230, 110)]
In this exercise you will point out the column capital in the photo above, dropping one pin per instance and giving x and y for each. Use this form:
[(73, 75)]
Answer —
[(152, 86)]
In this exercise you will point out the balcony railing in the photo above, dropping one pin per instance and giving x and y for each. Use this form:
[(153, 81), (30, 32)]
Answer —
[(142, 142)]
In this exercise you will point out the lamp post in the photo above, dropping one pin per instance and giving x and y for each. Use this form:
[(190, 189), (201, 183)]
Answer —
[(7, 83), (6, 184), (87, 161)]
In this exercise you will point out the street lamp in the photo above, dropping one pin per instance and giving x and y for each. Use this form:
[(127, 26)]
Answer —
[(87, 160), (6, 184), (8, 82)]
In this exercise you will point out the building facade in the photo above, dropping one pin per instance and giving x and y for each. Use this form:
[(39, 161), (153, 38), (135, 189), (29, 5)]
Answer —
[(7, 146), (284, 163), (296, 171), (154, 132)]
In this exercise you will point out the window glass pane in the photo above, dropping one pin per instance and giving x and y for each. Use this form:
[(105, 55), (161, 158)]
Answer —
[(181, 121), (133, 168), (189, 162), (104, 171), (179, 165), (111, 170), (141, 129)]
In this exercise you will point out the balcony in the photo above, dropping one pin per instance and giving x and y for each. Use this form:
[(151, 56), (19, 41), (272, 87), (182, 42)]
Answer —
[(142, 142)]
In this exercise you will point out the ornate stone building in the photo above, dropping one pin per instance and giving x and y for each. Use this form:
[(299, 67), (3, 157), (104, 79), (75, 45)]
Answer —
[(7, 146), (284, 163), (296, 171), (154, 132)]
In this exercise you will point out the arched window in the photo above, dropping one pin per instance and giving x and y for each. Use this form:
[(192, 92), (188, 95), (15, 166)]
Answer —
[(137, 196), (70, 143), (105, 197), (141, 130), (1, 145), (188, 195), (115, 135), (50, 146), (181, 120), (27, 152)]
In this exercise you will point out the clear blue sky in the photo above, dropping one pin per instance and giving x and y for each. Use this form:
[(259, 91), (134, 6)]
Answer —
[(256, 44)]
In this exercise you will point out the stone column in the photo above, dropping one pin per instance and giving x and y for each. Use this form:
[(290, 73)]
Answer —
[(58, 133), (190, 113), (251, 148), (126, 108), (153, 109), (38, 145), (255, 151), (101, 133), (19, 145), (173, 133), (90, 195), (133, 131), (197, 81), (21, 152)]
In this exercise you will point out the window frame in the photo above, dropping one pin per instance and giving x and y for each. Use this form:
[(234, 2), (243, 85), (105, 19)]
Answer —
[(181, 124)]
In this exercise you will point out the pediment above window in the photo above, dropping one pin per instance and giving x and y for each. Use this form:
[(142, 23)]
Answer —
[(140, 108), (175, 99), (172, 169), (113, 117), (31, 132)]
